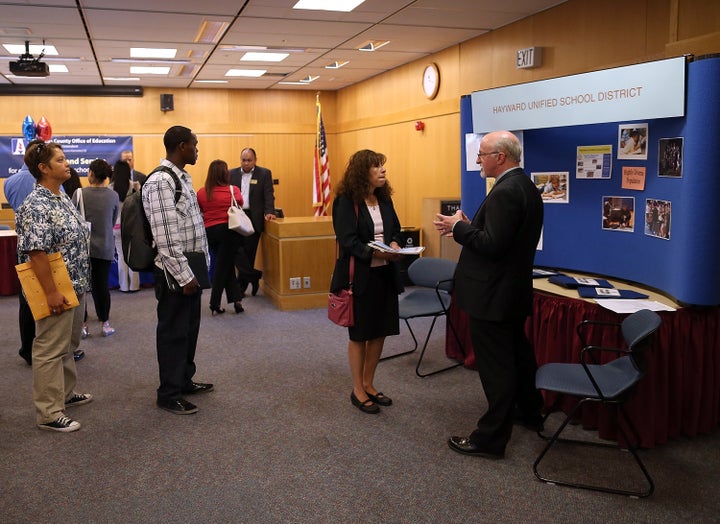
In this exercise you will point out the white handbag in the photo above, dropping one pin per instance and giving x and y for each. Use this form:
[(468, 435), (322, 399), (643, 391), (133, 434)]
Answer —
[(238, 221)]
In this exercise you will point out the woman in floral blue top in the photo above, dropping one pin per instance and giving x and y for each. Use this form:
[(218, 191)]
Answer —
[(47, 222)]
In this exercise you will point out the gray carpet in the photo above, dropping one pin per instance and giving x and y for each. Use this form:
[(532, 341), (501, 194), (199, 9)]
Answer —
[(279, 441)]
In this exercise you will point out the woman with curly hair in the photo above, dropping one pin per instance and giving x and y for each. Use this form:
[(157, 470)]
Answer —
[(363, 211)]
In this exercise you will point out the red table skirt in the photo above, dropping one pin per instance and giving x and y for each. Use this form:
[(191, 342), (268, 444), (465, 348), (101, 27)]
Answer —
[(9, 284), (680, 395)]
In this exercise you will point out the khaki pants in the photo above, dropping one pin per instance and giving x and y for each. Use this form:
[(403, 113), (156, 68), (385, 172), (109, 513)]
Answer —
[(53, 365)]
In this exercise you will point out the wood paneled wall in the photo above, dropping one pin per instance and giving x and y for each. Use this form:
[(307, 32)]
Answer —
[(576, 36)]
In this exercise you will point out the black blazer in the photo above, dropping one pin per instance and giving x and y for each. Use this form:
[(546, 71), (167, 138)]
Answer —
[(262, 194), (493, 279), (353, 235)]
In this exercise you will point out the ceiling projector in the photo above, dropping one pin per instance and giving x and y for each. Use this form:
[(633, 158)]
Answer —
[(26, 65), (29, 68)]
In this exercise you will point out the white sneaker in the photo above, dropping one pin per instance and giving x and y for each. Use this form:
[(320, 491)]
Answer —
[(77, 399), (62, 423), (85, 333), (107, 330)]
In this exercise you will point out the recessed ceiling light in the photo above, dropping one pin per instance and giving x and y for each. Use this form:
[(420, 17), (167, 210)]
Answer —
[(147, 52), (122, 78), (211, 81), (328, 5), (373, 45), (336, 65), (309, 79), (149, 70), (255, 56), (58, 68), (179, 61), (246, 72), (35, 49)]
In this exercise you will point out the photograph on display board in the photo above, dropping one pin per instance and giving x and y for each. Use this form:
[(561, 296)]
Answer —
[(618, 213), (553, 186), (657, 218), (594, 162), (632, 141), (670, 157)]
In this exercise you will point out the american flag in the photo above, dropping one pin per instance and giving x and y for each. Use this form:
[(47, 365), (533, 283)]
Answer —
[(321, 168)]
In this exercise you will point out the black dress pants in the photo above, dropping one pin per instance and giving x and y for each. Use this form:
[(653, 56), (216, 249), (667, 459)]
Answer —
[(506, 364), (99, 278), (176, 337), (224, 243), (26, 323)]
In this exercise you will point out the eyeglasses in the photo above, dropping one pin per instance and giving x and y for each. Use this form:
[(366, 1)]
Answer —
[(481, 154)]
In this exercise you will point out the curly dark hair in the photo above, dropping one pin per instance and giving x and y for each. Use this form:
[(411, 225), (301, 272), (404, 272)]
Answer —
[(218, 175), (101, 169), (38, 152), (355, 183)]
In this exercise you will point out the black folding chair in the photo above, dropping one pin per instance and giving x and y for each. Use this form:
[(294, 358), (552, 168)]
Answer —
[(433, 278), (612, 384)]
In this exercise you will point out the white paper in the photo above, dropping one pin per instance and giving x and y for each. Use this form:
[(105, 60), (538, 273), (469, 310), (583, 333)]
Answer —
[(632, 305)]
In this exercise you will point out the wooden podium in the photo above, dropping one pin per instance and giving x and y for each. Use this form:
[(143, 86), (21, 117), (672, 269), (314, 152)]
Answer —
[(299, 248)]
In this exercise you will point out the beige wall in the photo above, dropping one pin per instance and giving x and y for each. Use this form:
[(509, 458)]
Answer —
[(577, 36)]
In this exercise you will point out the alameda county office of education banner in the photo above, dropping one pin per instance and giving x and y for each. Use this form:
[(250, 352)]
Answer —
[(79, 150), (637, 92)]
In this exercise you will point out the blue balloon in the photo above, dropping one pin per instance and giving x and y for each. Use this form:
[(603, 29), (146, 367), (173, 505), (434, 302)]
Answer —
[(28, 128)]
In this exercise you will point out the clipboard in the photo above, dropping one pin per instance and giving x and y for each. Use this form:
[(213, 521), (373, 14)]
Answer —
[(35, 294)]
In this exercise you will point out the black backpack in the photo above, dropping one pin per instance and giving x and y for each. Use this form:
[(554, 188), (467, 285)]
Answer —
[(138, 246)]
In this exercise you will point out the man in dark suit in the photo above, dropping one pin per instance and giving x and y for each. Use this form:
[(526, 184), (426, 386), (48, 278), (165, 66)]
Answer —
[(493, 285), (256, 186), (135, 176)]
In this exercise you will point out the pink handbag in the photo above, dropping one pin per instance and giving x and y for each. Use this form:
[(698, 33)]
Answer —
[(340, 308), (340, 305)]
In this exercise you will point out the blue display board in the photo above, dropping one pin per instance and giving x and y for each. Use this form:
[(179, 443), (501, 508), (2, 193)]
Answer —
[(79, 150), (686, 265)]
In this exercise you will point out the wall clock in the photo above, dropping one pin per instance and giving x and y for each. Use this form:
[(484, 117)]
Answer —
[(431, 80)]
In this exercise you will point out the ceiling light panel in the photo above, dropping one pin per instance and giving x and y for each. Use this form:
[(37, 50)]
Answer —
[(149, 52), (35, 49), (256, 56), (149, 70), (344, 6), (253, 73)]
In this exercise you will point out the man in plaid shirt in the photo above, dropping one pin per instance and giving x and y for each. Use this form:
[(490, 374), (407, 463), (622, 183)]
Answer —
[(177, 229)]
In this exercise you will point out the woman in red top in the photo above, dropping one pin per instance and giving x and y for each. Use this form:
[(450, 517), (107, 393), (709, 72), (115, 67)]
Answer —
[(214, 200)]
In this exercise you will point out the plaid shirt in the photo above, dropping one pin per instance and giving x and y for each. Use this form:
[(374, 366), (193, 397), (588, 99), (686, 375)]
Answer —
[(50, 223), (175, 228)]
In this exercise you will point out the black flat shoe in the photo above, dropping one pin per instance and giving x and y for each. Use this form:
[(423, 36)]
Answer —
[(238, 307), (177, 406), (366, 407), (197, 387), (381, 399), (217, 310), (464, 446)]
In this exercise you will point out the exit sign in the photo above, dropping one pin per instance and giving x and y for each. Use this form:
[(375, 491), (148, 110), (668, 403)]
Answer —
[(529, 57)]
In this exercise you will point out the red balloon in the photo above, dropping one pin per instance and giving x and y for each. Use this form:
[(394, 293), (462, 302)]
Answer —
[(44, 129)]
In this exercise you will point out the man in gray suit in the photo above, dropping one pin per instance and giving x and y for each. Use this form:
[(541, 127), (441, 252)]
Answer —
[(256, 186), (493, 285)]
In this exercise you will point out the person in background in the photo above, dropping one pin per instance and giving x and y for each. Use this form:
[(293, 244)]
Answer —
[(47, 222), (363, 211), (493, 285), (214, 200), (101, 208), (135, 176), (17, 188), (128, 280), (177, 228), (256, 186), (73, 183)]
